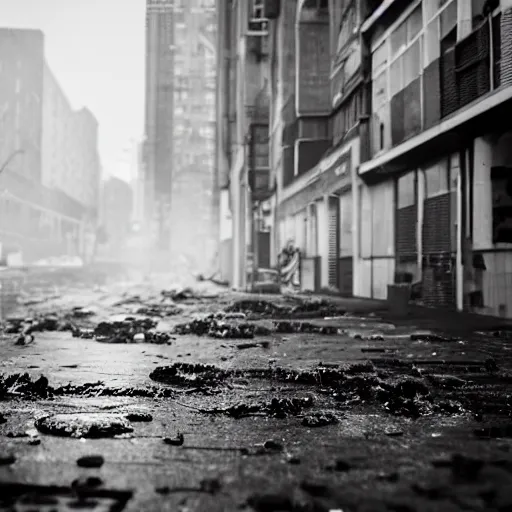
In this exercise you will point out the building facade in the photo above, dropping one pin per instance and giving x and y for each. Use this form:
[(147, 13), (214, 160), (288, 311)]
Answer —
[(42, 156), (438, 166), (179, 158), (388, 159)]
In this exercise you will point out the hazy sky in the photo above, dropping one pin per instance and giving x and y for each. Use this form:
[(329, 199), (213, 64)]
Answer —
[(96, 50)]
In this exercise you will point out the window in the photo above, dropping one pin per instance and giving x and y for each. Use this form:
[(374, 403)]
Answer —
[(436, 179), (379, 86), (347, 27), (406, 190), (448, 19), (412, 64), (379, 58), (398, 39)]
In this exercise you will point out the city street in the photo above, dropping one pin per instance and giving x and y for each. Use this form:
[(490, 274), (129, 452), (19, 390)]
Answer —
[(289, 403)]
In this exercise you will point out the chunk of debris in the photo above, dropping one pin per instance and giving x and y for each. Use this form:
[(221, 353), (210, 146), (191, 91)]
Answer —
[(139, 416), (85, 483), (188, 374), (210, 485), (19, 384), (91, 425), (320, 419), (216, 328), (432, 338), (91, 461), (273, 446), (175, 441), (7, 459), (288, 327), (262, 344), (25, 339)]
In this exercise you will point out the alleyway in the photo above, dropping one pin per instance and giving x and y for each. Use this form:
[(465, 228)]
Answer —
[(144, 397)]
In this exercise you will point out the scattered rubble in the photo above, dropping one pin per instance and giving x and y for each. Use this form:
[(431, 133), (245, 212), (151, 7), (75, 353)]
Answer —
[(262, 344), (287, 327), (159, 310), (277, 408), (255, 307), (179, 294), (320, 419), (139, 416), (189, 375), (175, 441), (81, 312), (91, 425), (130, 330), (215, 328), (18, 384)]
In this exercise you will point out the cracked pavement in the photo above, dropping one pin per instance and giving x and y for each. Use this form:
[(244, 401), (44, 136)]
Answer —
[(300, 403)]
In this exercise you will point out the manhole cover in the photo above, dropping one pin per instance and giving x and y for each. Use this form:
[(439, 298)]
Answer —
[(34, 498)]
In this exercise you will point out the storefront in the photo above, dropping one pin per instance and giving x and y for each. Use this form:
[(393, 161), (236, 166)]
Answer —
[(311, 217)]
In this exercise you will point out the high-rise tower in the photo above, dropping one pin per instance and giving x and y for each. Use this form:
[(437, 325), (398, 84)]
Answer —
[(180, 123), (158, 147)]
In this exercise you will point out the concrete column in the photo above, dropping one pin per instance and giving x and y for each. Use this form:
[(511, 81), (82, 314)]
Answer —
[(236, 234), (458, 259), (419, 225), (356, 223), (482, 194), (464, 18)]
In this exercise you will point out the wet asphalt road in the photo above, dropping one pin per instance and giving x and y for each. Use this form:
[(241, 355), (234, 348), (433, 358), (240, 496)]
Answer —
[(363, 414)]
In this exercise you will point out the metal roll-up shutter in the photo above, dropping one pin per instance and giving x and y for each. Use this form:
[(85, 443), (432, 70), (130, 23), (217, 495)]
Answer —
[(439, 288), (333, 221)]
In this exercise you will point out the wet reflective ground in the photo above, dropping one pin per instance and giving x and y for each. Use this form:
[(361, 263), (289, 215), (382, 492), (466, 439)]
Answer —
[(249, 403)]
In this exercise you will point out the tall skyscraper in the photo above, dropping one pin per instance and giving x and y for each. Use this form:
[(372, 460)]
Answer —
[(180, 123)]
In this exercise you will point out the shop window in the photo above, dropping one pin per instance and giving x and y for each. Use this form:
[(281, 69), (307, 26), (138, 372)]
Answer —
[(406, 190)]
